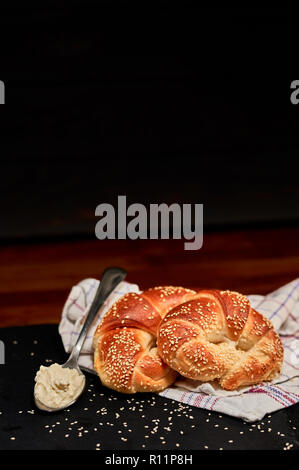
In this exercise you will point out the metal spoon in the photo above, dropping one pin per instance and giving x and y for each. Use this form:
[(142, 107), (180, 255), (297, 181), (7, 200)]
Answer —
[(110, 279)]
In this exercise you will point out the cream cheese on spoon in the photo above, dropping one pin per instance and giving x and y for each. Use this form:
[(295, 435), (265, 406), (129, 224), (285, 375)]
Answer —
[(57, 386)]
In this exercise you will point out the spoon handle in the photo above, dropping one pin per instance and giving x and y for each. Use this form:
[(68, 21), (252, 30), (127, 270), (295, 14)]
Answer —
[(111, 277)]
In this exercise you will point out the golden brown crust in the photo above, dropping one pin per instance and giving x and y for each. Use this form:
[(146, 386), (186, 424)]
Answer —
[(125, 356), (116, 355), (217, 335), (132, 310), (203, 335), (165, 298)]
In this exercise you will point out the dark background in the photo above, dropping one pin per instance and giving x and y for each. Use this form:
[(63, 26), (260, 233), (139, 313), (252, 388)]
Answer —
[(162, 104)]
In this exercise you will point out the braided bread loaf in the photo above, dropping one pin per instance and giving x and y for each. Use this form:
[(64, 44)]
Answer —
[(125, 352), (217, 335)]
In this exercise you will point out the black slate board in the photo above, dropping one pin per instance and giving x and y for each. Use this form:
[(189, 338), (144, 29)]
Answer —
[(106, 420)]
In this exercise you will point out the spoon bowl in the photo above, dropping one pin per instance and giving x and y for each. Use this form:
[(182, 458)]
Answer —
[(70, 364)]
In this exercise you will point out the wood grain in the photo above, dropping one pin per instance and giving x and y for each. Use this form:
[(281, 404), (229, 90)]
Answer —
[(35, 278)]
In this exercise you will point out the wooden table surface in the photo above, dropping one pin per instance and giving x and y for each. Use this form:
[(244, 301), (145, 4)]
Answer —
[(35, 278)]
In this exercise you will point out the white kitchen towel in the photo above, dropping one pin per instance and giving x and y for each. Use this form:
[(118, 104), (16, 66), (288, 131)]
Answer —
[(249, 403)]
